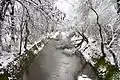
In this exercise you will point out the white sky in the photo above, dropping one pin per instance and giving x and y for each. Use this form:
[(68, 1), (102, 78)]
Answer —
[(63, 5), (66, 6)]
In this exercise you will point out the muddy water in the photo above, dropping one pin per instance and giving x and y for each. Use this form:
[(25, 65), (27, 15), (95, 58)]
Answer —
[(51, 64)]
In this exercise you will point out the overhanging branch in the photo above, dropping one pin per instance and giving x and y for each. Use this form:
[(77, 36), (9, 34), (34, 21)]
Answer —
[(100, 30)]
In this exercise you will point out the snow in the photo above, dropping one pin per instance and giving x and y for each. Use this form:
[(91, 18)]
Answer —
[(83, 77), (6, 58)]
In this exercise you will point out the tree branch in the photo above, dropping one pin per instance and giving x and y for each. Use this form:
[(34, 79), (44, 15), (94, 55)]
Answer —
[(100, 30), (27, 34), (28, 14)]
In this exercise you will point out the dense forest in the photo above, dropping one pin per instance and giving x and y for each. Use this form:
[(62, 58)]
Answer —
[(59, 39)]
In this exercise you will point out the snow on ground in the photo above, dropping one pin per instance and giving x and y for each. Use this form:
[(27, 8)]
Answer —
[(83, 78), (7, 57)]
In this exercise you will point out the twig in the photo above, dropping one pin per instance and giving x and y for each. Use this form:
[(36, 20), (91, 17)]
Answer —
[(84, 37)]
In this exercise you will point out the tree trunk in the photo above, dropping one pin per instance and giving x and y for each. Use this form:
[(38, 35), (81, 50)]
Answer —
[(1, 46), (52, 64)]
